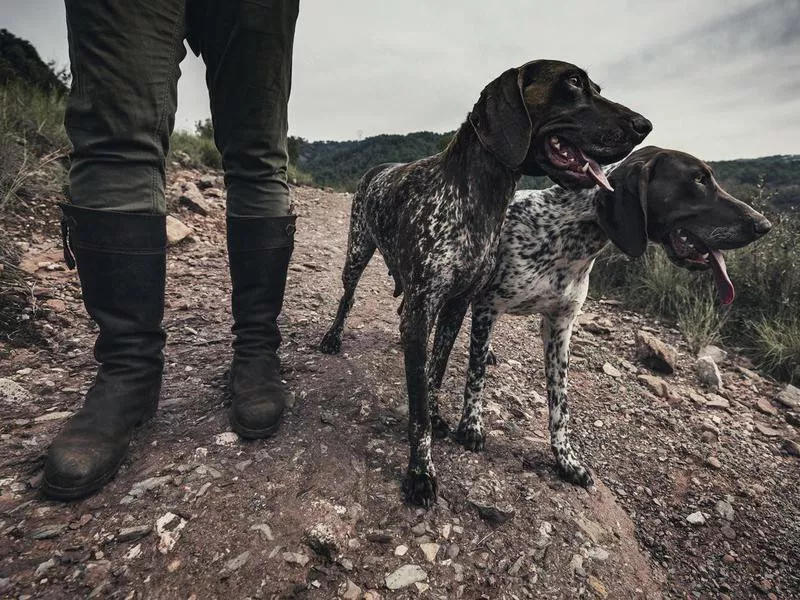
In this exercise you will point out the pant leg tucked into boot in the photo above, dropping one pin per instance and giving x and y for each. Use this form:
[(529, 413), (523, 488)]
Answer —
[(121, 260), (259, 250)]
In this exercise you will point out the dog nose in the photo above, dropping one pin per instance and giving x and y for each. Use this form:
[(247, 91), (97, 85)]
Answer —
[(762, 226), (641, 125)]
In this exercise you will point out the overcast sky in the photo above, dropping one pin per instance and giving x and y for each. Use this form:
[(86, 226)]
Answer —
[(720, 79)]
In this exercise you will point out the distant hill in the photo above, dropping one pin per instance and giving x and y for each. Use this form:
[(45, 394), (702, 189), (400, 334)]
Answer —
[(20, 62), (341, 164)]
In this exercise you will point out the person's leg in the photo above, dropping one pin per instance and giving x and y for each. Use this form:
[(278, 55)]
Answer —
[(120, 113), (247, 48)]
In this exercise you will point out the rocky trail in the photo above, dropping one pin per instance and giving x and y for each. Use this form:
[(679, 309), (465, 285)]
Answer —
[(697, 493)]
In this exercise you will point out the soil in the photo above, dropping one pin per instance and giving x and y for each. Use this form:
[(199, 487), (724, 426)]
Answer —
[(316, 511)]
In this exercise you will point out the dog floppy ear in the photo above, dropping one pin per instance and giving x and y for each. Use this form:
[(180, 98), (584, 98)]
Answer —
[(623, 213), (501, 120)]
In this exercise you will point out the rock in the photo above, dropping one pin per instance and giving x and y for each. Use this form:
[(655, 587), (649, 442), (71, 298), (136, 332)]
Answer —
[(349, 591), (791, 447), (717, 401), (56, 305), (13, 393), (372, 595), (322, 540), (264, 530), (611, 370), (708, 373), (724, 509), (576, 565), (44, 567), (766, 430), (206, 181), (788, 397), (595, 324), (419, 529), (765, 406), (657, 385), (516, 566), (597, 586), (698, 399), (405, 576), (715, 353), (169, 528), (453, 551), (53, 416), (152, 483), (696, 518), (600, 554), (296, 558), (97, 572), (129, 534), (493, 514), (134, 553), (48, 532), (728, 532), (709, 437), (235, 564), (713, 461), (226, 438), (192, 198), (748, 374), (401, 550), (654, 353), (430, 550), (176, 231), (594, 530)]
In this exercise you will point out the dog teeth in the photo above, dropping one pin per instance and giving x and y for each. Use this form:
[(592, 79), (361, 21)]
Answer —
[(585, 168), (684, 238)]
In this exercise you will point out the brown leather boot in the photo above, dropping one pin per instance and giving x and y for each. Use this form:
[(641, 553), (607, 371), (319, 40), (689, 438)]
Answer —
[(259, 250)]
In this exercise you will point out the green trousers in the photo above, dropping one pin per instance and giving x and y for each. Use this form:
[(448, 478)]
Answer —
[(125, 57)]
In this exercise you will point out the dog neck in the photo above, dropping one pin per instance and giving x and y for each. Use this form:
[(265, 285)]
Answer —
[(475, 172)]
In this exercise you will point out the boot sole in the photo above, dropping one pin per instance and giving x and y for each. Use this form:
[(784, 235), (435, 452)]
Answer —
[(55, 492), (252, 434)]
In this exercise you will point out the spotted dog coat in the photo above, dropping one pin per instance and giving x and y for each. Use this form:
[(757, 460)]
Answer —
[(548, 244), (436, 221)]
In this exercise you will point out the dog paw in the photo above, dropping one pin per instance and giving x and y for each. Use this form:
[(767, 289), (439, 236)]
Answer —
[(330, 344), (420, 488), (576, 474), (491, 358), (440, 427), (470, 436)]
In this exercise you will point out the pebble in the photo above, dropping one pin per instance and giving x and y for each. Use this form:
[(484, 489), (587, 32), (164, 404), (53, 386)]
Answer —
[(576, 565), (791, 447), (657, 385), (169, 528), (264, 530), (709, 437), (767, 430), (611, 370), (405, 576), (48, 532), (419, 528), (788, 397), (128, 534), (453, 551), (591, 528), (600, 554), (349, 591), (713, 461), (717, 401), (44, 567), (235, 563), (53, 416), (134, 552), (13, 393), (401, 550), (146, 485), (322, 540), (430, 550), (708, 372), (696, 518), (598, 423), (296, 558), (227, 438), (597, 586), (765, 406), (493, 514), (724, 509)]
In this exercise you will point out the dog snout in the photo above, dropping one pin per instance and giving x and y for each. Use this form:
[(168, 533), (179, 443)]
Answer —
[(762, 226), (641, 126)]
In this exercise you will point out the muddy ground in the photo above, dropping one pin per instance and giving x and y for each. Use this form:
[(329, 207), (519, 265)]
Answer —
[(316, 511)]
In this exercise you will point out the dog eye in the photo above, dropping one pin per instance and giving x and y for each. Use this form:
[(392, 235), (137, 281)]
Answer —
[(701, 178), (574, 81)]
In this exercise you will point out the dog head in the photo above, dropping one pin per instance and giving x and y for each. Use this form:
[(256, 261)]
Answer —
[(548, 118), (672, 198)]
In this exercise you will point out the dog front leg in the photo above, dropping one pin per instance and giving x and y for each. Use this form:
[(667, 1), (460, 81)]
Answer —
[(556, 335), (419, 486)]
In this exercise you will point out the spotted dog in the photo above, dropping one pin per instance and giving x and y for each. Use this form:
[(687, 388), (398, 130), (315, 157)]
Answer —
[(548, 244), (436, 221)]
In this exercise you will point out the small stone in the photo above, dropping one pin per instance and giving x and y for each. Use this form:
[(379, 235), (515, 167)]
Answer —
[(696, 518), (791, 447), (174, 565), (227, 438), (600, 554), (13, 393), (717, 401), (134, 553), (176, 231), (296, 558), (766, 430), (724, 509), (789, 397), (597, 586), (53, 416), (654, 353), (419, 528), (48, 532), (611, 370), (405, 576), (728, 532), (594, 530), (713, 462), (128, 534), (235, 563), (152, 483), (446, 531), (453, 551), (698, 399), (576, 565), (708, 373), (264, 530), (56, 305), (715, 353), (169, 527), (430, 550), (598, 423), (493, 514), (709, 437), (192, 198), (516, 566), (765, 406), (657, 385), (44, 567), (349, 591), (322, 540), (401, 550)]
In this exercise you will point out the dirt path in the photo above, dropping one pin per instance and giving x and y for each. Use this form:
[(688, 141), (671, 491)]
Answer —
[(316, 511)]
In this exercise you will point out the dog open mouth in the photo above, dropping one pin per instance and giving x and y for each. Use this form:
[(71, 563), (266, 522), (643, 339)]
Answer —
[(690, 251), (565, 156)]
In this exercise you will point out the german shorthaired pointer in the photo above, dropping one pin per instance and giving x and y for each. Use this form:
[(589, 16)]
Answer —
[(547, 248), (436, 221)]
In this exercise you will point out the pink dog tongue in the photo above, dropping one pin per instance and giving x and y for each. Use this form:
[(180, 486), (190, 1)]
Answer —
[(724, 284), (596, 171)]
